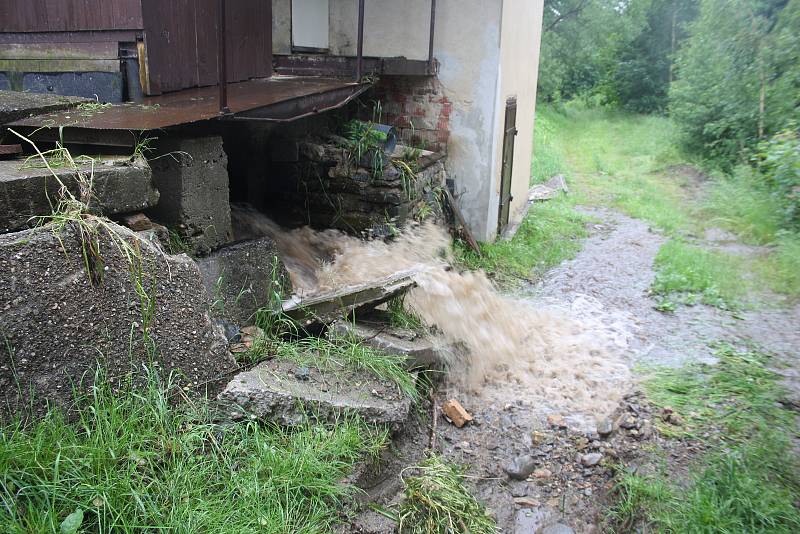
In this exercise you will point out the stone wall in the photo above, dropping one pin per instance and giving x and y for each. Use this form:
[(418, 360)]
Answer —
[(332, 192)]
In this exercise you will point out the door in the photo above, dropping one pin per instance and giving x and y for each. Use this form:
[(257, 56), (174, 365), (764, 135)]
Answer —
[(509, 135), (310, 25)]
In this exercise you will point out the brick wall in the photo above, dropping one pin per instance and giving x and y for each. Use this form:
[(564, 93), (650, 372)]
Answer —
[(417, 108)]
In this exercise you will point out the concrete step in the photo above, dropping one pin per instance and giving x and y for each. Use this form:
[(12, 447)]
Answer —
[(285, 393), (420, 352), (29, 190)]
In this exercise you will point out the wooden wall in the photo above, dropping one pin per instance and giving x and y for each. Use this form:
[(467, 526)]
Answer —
[(69, 15)]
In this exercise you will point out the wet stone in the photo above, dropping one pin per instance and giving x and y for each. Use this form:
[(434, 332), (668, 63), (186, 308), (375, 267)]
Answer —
[(605, 427), (558, 528), (521, 467), (591, 459)]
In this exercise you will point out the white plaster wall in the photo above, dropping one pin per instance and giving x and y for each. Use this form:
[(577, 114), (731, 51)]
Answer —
[(519, 68), (478, 71)]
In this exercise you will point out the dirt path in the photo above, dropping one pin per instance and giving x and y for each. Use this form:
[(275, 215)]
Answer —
[(566, 461)]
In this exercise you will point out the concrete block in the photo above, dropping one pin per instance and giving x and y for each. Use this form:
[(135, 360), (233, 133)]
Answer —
[(281, 392), (241, 279), (419, 352), (120, 186), (193, 181), (15, 105), (57, 323)]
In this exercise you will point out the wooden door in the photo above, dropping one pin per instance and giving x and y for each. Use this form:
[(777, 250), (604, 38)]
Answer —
[(509, 135)]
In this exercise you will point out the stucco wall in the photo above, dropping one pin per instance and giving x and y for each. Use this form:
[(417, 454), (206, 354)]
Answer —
[(477, 73), (519, 67)]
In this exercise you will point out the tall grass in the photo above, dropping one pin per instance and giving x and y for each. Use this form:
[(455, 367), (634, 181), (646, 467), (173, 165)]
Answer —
[(132, 461)]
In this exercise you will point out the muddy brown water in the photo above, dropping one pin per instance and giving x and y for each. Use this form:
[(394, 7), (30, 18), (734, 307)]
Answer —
[(566, 345)]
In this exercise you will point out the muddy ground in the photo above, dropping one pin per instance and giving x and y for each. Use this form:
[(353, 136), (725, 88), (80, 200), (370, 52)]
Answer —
[(567, 462)]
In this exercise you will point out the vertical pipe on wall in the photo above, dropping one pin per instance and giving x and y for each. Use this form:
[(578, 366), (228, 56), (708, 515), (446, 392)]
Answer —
[(430, 42), (222, 67), (360, 46)]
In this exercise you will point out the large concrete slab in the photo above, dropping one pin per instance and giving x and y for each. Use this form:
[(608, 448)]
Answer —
[(285, 393), (244, 277), (15, 105), (418, 351), (58, 321), (29, 190)]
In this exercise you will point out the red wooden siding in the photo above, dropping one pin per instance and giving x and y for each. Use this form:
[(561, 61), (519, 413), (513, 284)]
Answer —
[(69, 15)]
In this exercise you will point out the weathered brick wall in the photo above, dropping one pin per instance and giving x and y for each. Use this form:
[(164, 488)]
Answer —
[(417, 108)]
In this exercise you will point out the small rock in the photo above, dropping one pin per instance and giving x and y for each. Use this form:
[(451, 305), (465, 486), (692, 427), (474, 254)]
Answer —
[(675, 419), (558, 528), (556, 421), (591, 459), (520, 467), (302, 373), (519, 490), (542, 473), (252, 331), (646, 431), (456, 413), (605, 427), (627, 422), (526, 502), (238, 348), (538, 437)]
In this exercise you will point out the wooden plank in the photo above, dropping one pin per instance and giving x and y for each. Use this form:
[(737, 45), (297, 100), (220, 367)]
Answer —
[(59, 65), (332, 306), (56, 50), (6, 150), (69, 15)]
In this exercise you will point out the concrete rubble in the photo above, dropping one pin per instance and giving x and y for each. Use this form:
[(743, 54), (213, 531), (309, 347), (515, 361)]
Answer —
[(59, 321), (28, 190), (286, 393), (418, 351)]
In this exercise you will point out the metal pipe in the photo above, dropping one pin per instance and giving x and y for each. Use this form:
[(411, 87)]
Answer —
[(360, 46), (222, 67), (430, 42)]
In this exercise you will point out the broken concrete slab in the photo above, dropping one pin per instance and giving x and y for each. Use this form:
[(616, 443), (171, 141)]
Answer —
[(119, 186), (57, 323), (15, 105), (286, 393), (419, 352), (328, 307), (192, 176), (243, 277), (550, 189)]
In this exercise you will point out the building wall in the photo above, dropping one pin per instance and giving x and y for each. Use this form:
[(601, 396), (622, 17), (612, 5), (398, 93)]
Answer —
[(519, 68), (464, 107)]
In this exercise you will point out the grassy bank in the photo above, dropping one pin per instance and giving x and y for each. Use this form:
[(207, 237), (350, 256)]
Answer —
[(747, 481), (133, 462)]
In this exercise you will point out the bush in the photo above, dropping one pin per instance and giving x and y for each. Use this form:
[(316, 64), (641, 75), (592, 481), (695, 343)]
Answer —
[(779, 161)]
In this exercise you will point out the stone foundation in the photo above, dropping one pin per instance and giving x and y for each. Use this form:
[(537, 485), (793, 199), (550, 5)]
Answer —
[(331, 191)]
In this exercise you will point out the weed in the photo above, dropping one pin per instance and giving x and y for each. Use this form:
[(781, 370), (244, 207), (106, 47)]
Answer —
[(133, 462), (401, 317), (781, 268), (549, 234), (177, 243), (690, 271), (436, 502)]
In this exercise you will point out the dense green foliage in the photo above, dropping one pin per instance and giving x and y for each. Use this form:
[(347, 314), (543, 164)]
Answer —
[(737, 76)]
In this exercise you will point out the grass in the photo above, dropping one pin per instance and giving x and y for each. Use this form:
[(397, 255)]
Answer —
[(133, 461), (401, 317), (692, 273), (549, 234), (339, 353), (748, 482), (436, 502)]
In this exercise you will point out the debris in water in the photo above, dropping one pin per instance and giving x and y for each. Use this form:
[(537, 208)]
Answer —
[(456, 413)]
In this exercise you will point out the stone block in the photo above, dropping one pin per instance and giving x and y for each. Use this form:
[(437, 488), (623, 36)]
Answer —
[(192, 177), (119, 186), (58, 321), (15, 105), (419, 352), (285, 393), (243, 277)]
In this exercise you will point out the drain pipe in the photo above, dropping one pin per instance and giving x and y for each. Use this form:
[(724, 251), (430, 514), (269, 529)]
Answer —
[(222, 67), (360, 46), (430, 42)]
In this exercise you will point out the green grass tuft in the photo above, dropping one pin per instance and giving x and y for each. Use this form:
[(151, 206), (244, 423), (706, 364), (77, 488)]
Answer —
[(549, 234), (693, 273), (135, 462), (436, 502)]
